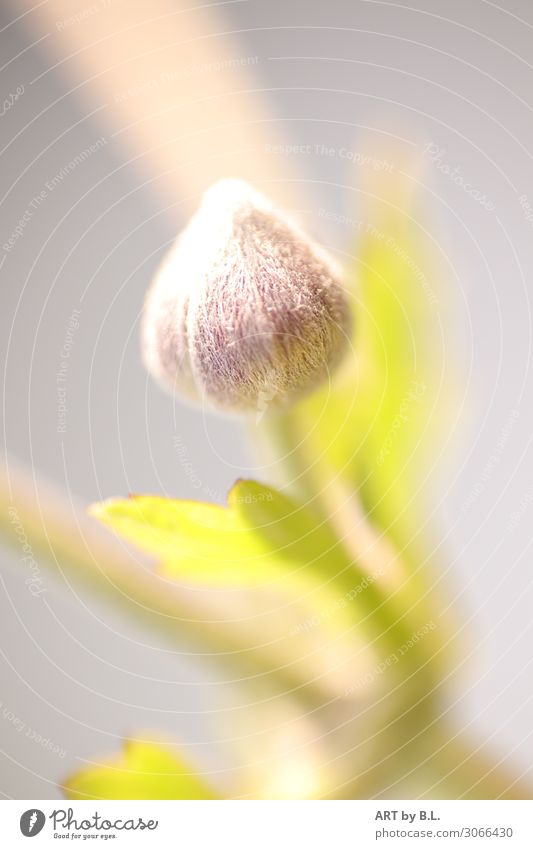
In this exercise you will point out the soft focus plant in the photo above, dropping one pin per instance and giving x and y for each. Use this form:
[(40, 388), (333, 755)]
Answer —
[(322, 579), (249, 315)]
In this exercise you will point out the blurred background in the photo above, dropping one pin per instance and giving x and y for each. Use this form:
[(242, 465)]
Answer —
[(103, 156)]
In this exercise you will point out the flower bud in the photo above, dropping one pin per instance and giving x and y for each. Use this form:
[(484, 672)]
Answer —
[(245, 309)]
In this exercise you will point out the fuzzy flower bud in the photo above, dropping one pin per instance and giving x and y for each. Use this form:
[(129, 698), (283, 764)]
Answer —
[(245, 308)]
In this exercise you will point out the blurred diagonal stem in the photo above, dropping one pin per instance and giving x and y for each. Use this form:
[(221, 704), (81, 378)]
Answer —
[(418, 747), (339, 505)]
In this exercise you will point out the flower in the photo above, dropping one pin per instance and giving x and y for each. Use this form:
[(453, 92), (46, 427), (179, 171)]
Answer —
[(246, 308)]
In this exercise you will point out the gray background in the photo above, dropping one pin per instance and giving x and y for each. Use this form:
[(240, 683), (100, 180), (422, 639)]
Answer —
[(453, 74)]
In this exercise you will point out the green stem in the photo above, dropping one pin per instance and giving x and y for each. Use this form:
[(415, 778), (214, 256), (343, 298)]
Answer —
[(415, 749), (437, 763), (391, 603)]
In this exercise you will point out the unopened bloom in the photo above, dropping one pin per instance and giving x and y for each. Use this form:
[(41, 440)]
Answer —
[(245, 309)]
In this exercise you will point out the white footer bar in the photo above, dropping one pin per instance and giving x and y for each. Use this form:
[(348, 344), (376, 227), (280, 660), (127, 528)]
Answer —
[(269, 825)]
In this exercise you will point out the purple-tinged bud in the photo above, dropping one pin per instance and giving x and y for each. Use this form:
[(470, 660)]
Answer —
[(245, 309)]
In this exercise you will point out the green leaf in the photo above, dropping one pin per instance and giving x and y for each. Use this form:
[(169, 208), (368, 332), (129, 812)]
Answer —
[(265, 538), (260, 536), (143, 771), (267, 543)]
